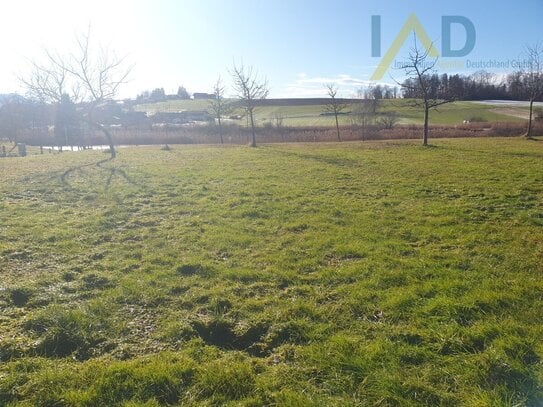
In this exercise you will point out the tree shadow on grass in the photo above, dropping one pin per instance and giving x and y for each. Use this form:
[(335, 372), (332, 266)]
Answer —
[(71, 170), (111, 171), (322, 158), (114, 171)]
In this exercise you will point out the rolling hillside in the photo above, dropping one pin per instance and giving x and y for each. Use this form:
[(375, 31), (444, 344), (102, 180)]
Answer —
[(296, 112)]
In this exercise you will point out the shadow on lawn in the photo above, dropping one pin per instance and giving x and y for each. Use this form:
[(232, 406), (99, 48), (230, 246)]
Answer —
[(112, 172), (330, 160)]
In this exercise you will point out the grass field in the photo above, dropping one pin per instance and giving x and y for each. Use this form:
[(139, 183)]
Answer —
[(341, 274), (310, 115)]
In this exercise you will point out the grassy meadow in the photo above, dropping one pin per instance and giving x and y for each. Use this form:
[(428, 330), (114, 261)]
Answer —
[(310, 115), (332, 274)]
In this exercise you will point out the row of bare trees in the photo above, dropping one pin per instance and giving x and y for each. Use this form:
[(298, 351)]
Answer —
[(249, 88), (421, 91), (420, 71), (91, 76), (364, 110)]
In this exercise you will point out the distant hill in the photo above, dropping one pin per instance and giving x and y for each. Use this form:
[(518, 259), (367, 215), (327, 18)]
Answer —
[(300, 101), (10, 98)]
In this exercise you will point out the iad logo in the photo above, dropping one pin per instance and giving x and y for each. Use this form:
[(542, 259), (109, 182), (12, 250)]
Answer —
[(413, 24)]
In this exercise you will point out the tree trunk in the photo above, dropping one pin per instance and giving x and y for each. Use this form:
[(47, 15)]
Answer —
[(110, 141), (425, 131), (253, 143), (529, 132), (220, 129), (109, 138), (337, 127), (103, 129)]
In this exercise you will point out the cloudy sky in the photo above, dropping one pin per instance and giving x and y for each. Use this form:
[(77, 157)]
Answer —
[(297, 45)]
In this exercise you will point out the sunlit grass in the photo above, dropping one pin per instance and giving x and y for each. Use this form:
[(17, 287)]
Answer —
[(378, 273)]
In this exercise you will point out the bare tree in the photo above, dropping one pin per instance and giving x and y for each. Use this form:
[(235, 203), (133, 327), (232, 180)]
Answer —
[(364, 109), (278, 119), (218, 105), (48, 81), (389, 119), (334, 106), (418, 68), (249, 89), (373, 96), (533, 78), (89, 76)]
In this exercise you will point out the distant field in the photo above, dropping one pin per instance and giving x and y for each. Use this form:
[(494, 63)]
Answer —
[(330, 274), (310, 115)]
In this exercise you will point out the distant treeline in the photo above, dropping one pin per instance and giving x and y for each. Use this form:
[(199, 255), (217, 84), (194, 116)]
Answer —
[(159, 95), (481, 85)]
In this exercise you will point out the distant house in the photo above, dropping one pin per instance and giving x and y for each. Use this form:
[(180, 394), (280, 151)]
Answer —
[(201, 95)]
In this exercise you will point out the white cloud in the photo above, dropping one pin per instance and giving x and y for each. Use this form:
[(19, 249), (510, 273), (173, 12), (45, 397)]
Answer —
[(306, 86)]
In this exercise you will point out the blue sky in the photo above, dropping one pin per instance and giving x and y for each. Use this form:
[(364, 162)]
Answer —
[(297, 45)]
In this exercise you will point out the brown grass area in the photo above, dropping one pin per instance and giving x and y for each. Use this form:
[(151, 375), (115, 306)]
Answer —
[(234, 134)]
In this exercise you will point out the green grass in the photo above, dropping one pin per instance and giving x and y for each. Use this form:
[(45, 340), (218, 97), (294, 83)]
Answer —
[(379, 273), (310, 115), (174, 105)]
